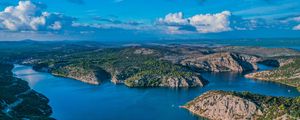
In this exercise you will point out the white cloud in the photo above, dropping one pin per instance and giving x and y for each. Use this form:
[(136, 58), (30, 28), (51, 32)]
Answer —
[(296, 27), (173, 19), (296, 19), (211, 22), (27, 16), (292, 21), (201, 23), (56, 25)]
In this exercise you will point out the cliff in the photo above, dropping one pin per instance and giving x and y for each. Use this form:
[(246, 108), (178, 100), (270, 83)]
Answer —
[(152, 80), (18, 101), (78, 73), (224, 61), (220, 105)]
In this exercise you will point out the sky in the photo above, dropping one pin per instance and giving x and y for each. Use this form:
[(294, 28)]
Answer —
[(148, 20)]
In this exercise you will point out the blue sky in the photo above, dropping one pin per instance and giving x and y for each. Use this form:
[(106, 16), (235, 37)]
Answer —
[(148, 20)]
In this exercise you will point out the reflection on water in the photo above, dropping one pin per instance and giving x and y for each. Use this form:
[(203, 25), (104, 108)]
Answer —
[(74, 100)]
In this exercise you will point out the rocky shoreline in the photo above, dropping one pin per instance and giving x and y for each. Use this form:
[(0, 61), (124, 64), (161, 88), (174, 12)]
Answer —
[(148, 67), (81, 61), (220, 105)]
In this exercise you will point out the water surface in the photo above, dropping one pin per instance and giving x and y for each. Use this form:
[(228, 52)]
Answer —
[(74, 100)]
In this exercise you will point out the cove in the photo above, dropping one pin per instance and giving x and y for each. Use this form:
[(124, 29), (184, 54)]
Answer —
[(74, 100)]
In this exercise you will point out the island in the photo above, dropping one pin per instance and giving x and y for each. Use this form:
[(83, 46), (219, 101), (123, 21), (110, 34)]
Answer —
[(221, 105)]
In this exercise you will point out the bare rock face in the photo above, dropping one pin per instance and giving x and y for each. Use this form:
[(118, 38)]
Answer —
[(80, 74), (115, 80), (144, 51), (175, 82), (166, 81), (283, 62), (217, 105), (220, 62)]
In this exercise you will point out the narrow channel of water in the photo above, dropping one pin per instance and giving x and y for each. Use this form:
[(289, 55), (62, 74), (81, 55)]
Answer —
[(74, 100)]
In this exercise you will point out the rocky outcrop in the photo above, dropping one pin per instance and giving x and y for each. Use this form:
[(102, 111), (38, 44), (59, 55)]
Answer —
[(175, 82), (88, 75), (18, 101), (151, 80), (217, 105), (220, 105), (220, 62), (79, 73), (144, 51), (115, 80)]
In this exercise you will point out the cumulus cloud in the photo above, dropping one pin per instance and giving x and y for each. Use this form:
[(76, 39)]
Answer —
[(293, 21), (200, 23), (28, 16), (296, 27), (297, 19), (174, 19)]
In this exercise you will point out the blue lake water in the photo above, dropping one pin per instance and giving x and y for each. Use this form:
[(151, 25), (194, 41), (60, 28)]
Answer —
[(74, 100)]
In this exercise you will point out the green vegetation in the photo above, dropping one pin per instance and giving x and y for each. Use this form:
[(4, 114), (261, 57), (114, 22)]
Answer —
[(123, 63), (23, 102), (152, 71), (273, 107), (288, 74)]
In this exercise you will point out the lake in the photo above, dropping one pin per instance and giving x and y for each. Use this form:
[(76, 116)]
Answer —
[(74, 100)]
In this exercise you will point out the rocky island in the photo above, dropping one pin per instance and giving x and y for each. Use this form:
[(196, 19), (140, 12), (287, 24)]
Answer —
[(18, 100), (220, 105)]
